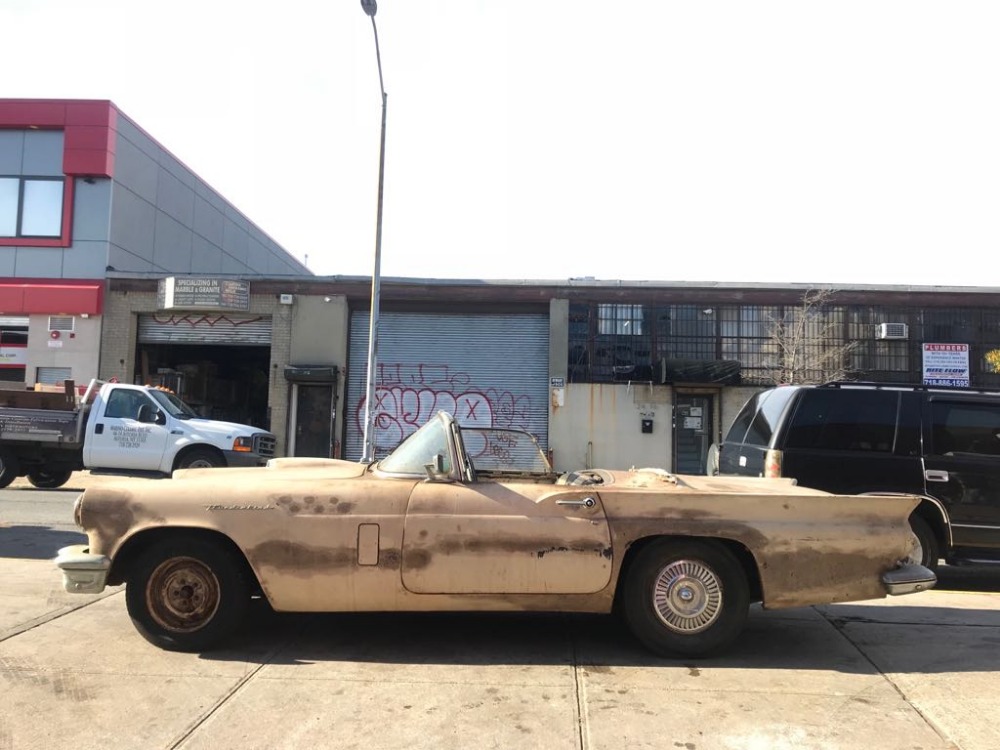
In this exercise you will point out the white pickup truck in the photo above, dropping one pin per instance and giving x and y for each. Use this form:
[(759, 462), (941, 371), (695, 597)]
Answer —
[(119, 428)]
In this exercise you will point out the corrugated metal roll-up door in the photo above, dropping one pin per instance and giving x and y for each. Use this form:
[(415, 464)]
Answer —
[(205, 328), (487, 370)]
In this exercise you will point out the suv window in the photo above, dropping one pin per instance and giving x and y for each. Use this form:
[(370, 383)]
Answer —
[(771, 407), (847, 420), (738, 430), (965, 428)]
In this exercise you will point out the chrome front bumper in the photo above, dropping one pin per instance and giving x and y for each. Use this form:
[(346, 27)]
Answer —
[(908, 579), (83, 573)]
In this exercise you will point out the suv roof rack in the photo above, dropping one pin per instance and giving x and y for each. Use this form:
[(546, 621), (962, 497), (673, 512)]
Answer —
[(907, 386)]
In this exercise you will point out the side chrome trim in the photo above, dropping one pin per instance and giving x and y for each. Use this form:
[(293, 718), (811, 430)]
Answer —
[(992, 527)]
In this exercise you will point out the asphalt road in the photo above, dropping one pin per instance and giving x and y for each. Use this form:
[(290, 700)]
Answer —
[(913, 672)]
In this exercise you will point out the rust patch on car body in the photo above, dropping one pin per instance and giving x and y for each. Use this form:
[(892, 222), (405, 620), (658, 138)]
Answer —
[(299, 559)]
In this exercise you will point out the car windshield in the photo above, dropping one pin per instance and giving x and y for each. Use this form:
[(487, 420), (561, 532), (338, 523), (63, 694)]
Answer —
[(419, 450), (172, 405)]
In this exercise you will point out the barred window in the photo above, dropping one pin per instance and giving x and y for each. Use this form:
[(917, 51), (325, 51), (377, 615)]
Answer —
[(622, 320), (610, 341)]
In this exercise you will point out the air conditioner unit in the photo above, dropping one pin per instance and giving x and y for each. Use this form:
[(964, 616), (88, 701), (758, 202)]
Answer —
[(61, 323), (892, 331)]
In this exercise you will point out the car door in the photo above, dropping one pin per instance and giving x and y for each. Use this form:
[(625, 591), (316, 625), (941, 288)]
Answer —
[(118, 440), (505, 538), (962, 467)]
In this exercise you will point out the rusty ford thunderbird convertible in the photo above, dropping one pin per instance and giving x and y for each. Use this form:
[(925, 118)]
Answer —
[(458, 518)]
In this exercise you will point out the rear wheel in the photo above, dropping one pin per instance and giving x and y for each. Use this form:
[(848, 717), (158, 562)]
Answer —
[(10, 467), (928, 549), (48, 479), (686, 597), (187, 594)]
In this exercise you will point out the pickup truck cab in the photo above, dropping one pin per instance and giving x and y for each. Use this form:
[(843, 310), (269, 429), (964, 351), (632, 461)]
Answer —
[(122, 428), (148, 429)]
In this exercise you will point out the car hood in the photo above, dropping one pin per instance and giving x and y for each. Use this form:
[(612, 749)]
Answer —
[(219, 429)]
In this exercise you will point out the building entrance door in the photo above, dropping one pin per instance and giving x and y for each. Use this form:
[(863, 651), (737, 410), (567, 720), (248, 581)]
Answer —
[(693, 431)]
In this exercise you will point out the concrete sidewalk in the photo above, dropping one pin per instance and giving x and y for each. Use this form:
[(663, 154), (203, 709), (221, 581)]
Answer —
[(913, 672)]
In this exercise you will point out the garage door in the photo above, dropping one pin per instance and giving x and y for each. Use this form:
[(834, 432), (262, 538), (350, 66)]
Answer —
[(487, 370)]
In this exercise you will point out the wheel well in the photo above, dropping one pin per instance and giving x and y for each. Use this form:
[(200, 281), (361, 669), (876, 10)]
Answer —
[(198, 448), (741, 553), (935, 518), (130, 551)]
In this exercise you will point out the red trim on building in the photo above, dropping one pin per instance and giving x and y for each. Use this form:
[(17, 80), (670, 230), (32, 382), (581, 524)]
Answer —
[(90, 130), (50, 296)]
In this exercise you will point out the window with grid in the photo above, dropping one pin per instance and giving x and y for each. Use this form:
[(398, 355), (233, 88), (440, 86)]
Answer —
[(31, 206), (609, 342)]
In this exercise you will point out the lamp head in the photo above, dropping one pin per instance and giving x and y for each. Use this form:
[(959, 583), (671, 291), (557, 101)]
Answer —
[(369, 7)]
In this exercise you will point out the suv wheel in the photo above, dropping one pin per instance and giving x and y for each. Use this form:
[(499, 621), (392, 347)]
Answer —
[(928, 550)]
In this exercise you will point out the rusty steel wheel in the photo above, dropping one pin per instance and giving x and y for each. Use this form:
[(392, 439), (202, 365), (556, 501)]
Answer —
[(686, 597), (187, 594), (182, 594)]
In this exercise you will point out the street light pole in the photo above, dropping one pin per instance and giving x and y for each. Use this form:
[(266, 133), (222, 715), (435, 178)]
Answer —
[(370, 8)]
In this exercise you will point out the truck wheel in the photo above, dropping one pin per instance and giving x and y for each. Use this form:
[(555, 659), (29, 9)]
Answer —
[(186, 594), (928, 550), (49, 479), (200, 458), (686, 597), (10, 467)]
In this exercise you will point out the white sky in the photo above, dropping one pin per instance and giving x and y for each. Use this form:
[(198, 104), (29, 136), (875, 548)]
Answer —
[(844, 142)]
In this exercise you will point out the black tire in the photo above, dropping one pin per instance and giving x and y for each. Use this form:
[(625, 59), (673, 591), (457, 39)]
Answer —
[(664, 575), (929, 551), (49, 479), (201, 458), (187, 594), (10, 467)]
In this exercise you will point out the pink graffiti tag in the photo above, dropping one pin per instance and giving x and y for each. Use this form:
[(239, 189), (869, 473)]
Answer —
[(400, 408)]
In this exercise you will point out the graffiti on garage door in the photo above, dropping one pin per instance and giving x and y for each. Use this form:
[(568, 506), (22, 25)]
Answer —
[(408, 395)]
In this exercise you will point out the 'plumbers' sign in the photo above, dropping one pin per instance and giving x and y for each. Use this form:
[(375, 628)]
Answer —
[(946, 364), (183, 293)]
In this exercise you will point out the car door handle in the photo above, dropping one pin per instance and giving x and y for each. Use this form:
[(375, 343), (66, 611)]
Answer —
[(936, 475), (587, 502)]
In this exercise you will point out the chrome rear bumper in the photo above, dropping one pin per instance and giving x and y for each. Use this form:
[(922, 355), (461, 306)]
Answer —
[(908, 579)]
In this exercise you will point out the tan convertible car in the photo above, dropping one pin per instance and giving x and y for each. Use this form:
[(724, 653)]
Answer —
[(460, 518)]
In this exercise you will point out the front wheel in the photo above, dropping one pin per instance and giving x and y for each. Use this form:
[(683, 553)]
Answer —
[(187, 594), (46, 479), (686, 597), (200, 458)]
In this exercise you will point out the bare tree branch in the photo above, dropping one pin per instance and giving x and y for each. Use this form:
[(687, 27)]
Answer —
[(806, 344)]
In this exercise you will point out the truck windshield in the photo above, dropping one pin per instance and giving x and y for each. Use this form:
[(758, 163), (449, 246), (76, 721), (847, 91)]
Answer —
[(173, 405)]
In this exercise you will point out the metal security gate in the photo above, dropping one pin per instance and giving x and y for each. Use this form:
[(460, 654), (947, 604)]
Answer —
[(218, 329), (487, 370)]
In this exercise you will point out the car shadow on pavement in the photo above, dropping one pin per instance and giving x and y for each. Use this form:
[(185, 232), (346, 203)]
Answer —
[(36, 542), (805, 639)]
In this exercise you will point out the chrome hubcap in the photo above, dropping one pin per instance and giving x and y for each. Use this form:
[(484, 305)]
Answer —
[(687, 596)]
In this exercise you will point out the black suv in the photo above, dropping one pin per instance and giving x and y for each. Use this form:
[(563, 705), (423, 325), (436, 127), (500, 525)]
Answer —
[(854, 438)]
